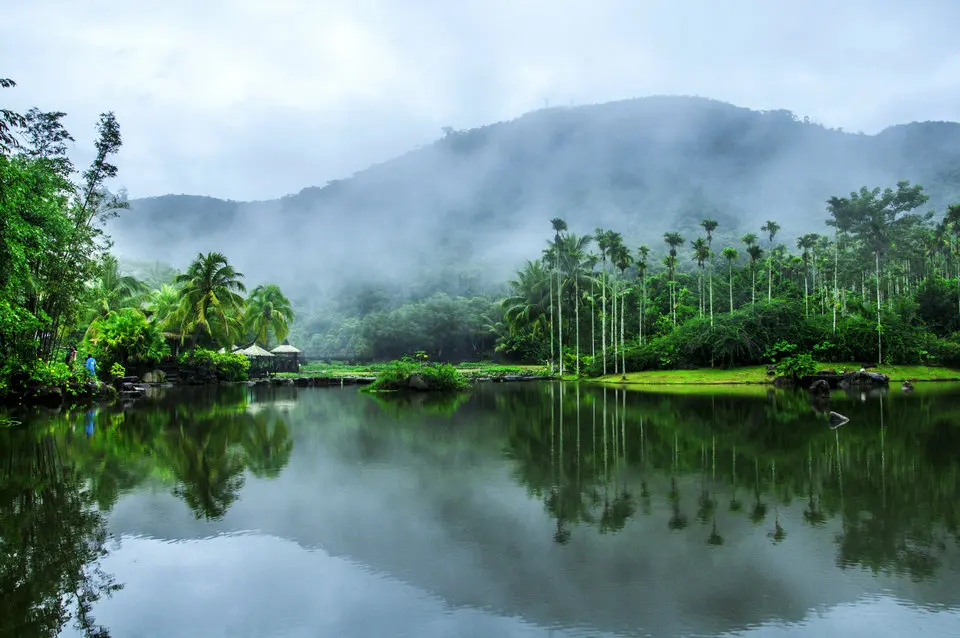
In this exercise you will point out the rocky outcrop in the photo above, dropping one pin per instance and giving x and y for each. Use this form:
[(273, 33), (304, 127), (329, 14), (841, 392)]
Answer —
[(820, 387), (863, 379)]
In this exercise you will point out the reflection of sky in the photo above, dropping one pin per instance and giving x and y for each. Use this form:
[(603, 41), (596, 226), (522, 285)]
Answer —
[(231, 586), (415, 537)]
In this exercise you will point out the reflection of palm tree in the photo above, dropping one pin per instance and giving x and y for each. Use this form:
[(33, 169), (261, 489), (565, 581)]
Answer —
[(678, 520), (715, 538), (778, 533), (759, 509), (267, 450), (209, 471)]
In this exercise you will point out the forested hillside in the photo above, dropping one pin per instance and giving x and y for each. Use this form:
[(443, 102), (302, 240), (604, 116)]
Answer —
[(366, 255), (481, 197)]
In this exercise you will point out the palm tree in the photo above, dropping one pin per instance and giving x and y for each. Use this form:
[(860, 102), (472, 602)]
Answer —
[(952, 219), (771, 228), (268, 310), (642, 254), (622, 260), (577, 266), (806, 243), (211, 306), (526, 308), (558, 227), (603, 243), (114, 290), (618, 255), (162, 304), (710, 225), (750, 239), (700, 253), (673, 240), (731, 256)]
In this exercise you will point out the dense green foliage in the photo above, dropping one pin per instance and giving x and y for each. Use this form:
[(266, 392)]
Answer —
[(438, 377), (225, 366), (880, 290), (60, 287)]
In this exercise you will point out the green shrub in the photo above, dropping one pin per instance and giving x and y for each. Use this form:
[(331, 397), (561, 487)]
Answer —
[(395, 376), (117, 370), (226, 366), (126, 337), (797, 365)]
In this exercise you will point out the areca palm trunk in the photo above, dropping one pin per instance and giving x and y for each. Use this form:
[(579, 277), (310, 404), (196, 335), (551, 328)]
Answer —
[(559, 314), (879, 326), (603, 314), (836, 288), (623, 347), (550, 286), (710, 285), (576, 312), (731, 287), (613, 326), (593, 317)]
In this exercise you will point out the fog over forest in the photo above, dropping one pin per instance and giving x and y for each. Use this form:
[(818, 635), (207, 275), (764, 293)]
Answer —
[(462, 214)]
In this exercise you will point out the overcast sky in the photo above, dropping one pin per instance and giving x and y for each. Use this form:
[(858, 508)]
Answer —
[(254, 99)]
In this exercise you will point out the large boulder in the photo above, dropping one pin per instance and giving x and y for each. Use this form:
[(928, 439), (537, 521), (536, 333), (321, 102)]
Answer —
[(417, 382), (820, 387), (155, 376), (863, 379)]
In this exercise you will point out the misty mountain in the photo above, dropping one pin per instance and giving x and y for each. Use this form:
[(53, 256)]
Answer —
[(474, 204)]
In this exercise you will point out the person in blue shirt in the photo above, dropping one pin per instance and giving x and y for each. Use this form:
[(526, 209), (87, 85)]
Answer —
[(91, 366)]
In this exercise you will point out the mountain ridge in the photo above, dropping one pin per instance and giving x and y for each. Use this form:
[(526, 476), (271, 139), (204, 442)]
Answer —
[(481, 198)]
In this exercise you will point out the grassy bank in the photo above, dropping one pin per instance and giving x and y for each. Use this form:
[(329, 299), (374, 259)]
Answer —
[(757, 375), (337, 370)]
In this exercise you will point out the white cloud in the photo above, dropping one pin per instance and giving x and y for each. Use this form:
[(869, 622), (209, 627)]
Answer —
[(254, 99)]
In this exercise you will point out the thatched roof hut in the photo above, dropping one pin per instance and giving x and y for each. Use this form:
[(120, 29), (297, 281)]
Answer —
[(285, 348), (254, 351)]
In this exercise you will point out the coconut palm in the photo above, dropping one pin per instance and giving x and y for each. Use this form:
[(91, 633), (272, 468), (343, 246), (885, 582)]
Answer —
[(577, 265), (621, 258), (268, 310), (162, 304), (114, 290), (750, 239), (603, 243), (731, 256), (211, 307), (526, 308)]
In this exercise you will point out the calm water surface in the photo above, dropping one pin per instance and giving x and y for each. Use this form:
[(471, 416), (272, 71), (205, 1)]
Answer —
[(516, 510)]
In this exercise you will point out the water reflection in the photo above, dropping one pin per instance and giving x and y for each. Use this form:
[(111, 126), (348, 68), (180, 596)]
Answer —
[(559, 505)]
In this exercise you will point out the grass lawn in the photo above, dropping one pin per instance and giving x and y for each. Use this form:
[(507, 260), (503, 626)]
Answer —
[(758, 375), (336, 369)]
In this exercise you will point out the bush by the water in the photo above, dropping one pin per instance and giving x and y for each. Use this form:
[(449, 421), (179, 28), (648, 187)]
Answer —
[(225, 366), (753, 337), (411, 373)]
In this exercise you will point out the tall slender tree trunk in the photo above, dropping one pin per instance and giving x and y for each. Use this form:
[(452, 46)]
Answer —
[(879, 325), (576, 318), (710, 285), (559, 314), (593, 317), (770, 275), (623, 345), (836, 269), (613, 325), (603, 315), (731, 287), (753, 286), (806, 297), (551, 325)]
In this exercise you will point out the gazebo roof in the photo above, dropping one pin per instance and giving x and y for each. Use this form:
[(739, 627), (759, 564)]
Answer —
[(285, 348), (255, 351)]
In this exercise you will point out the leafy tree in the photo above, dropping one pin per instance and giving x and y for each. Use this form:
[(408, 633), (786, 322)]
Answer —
[(211, 307), (268, 310)]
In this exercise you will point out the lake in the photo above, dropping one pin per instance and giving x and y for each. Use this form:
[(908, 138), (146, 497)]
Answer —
[(528, 509)]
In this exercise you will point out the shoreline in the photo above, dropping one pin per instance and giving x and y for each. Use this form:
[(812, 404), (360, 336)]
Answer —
[(757, 375)]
